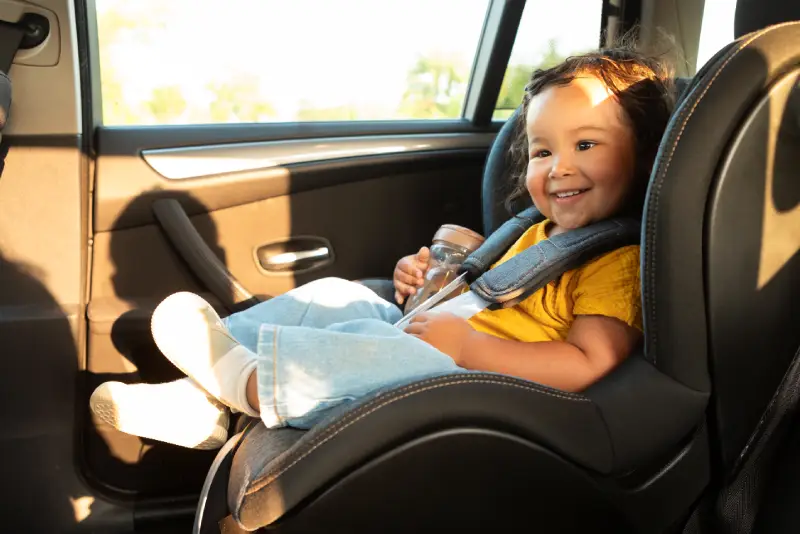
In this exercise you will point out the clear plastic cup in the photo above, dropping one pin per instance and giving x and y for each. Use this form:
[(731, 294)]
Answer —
[(451, 246)]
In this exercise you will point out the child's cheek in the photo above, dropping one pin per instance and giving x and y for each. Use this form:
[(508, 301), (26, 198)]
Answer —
[(535, 181)]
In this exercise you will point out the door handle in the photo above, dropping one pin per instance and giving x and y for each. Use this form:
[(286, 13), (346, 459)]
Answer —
[(290, 260), (296, 254)]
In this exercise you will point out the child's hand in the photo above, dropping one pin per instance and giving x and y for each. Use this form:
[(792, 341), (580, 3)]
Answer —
[(443, 331), (409, 273)]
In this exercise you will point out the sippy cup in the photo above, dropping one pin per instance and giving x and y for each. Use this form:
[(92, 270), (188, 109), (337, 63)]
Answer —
[(451, 246)]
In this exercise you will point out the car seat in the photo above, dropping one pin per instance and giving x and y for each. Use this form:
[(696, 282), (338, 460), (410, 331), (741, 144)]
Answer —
[(638, 450)]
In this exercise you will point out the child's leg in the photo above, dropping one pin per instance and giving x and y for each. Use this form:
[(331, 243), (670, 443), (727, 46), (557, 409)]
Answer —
[(317, 304), (303, 371), (310, 371), (252, 391), (186, 329)]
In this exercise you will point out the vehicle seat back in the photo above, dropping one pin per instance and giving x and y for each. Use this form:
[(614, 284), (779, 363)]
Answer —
[(741, 115)]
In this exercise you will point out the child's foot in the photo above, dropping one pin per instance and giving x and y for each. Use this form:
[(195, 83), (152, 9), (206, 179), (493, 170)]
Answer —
[(178, 412), (191, 335)]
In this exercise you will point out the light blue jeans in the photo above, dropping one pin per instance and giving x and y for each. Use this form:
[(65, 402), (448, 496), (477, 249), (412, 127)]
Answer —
[(325, 344)]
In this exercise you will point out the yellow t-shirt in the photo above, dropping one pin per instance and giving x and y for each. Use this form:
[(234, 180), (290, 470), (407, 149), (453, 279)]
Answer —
[(608, 285)]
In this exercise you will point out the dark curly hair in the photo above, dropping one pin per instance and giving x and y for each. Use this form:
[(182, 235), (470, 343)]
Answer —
[(642, 85)]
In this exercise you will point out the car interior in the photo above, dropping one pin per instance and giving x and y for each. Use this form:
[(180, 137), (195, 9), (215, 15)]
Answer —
[(107, 207)]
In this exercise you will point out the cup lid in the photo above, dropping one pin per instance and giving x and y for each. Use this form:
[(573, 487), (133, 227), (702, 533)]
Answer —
[(459, 235)]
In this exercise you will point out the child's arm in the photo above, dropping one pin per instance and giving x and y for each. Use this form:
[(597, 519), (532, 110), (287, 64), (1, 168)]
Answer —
[(594, 346)]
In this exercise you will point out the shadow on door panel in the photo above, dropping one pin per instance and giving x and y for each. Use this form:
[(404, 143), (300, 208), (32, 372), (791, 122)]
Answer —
[(133, 269)]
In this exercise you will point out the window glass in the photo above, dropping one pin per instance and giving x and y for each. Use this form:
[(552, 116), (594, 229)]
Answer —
[(548, 33), (194, 62), (716, 30)]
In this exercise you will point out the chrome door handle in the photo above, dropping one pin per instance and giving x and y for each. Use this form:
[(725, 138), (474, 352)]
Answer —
[(294, 255), (289, 260)]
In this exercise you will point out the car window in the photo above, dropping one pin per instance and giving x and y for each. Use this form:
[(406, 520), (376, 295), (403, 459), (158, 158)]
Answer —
[(548, 33), (190, 62), (716, 30)]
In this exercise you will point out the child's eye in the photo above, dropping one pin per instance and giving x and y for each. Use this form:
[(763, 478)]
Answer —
[(540, 154), (585, 145)]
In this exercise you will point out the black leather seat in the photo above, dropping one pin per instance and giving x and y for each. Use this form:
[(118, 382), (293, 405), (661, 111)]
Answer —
[(639, 449)]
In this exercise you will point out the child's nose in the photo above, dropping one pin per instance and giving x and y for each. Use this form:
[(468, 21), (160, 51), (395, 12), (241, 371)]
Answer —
[(562, 167)]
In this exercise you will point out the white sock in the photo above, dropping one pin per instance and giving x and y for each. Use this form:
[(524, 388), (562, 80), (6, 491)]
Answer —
[(231, 373), (242, 390)]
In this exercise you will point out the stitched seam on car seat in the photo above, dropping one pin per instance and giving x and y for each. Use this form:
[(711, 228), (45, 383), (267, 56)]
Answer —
[(338, 428), (653, 330), (348, 421)]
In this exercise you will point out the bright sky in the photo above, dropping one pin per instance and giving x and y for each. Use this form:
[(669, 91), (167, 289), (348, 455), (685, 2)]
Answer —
[(328, 53), (574, 24), (717, 28)]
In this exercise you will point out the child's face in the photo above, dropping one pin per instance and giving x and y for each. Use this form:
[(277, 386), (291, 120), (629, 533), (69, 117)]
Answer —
[(581, 153)]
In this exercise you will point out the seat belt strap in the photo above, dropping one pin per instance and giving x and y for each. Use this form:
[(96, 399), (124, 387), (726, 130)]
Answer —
[(499, 242), (514, 280)]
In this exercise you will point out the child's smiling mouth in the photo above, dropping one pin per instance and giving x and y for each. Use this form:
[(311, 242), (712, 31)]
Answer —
[(570, 195)]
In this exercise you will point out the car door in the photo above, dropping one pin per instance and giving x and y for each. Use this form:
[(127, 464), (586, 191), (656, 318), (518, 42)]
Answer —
[(235, 150)]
